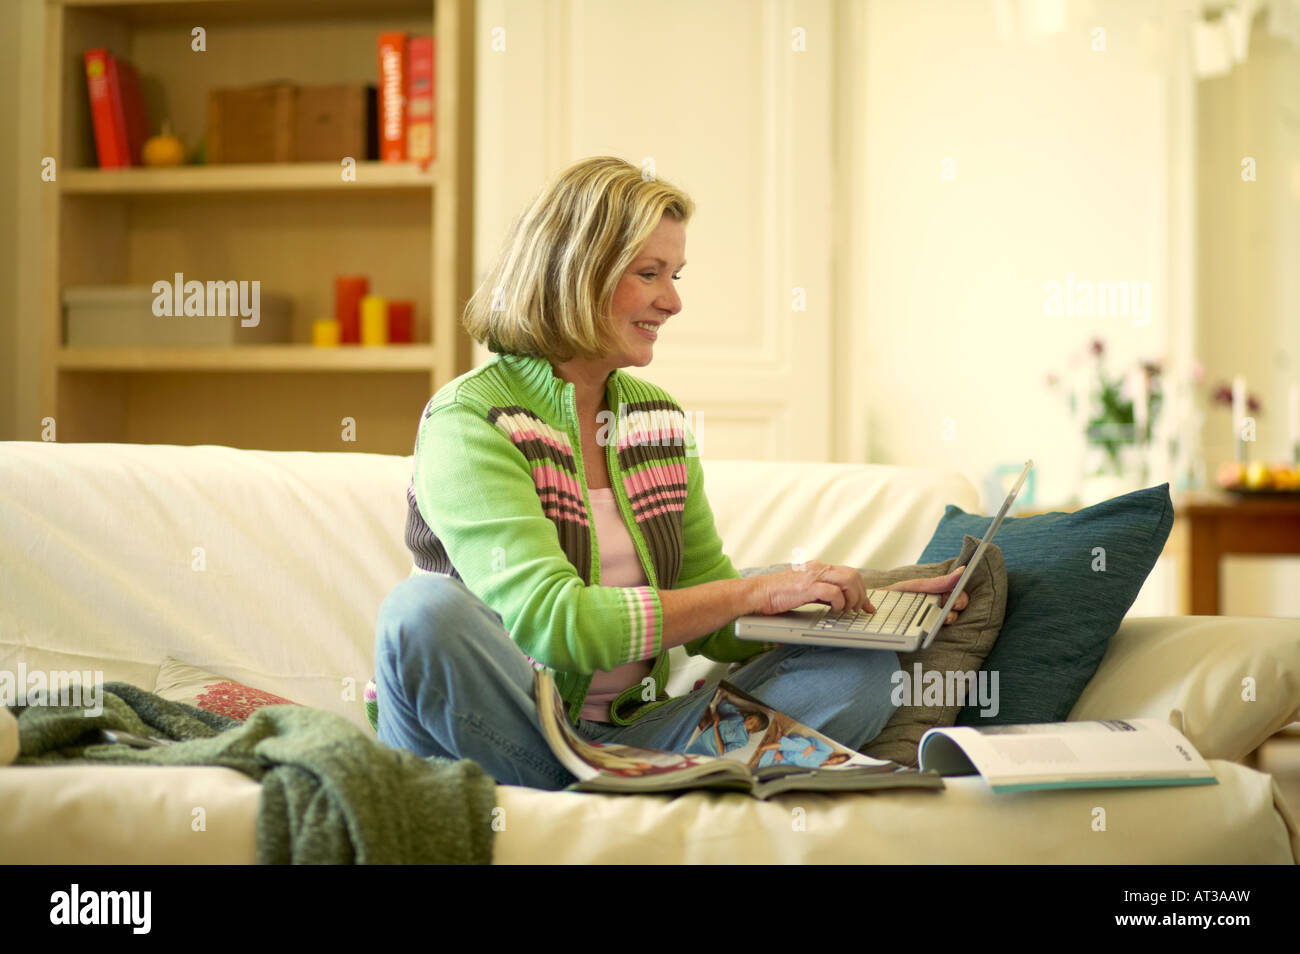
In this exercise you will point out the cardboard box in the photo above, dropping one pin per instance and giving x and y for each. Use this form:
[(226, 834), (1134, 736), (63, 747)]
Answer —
[(113, 315)]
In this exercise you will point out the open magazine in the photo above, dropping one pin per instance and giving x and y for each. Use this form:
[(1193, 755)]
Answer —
[(739, 744), (1017, 758)]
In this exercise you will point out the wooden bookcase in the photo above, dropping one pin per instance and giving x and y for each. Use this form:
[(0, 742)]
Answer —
[(292, 226)]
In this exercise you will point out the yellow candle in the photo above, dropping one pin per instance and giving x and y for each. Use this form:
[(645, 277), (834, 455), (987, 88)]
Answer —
[(374, 320), (325, 333)]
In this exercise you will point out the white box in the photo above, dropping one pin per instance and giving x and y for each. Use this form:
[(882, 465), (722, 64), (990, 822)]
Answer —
[(114, 315)]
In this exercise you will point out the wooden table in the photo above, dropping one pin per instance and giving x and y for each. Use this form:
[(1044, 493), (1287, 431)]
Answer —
[(1215, 524)]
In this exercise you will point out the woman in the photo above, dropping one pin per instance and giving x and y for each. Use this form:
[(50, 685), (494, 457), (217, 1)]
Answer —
[(557, 517)]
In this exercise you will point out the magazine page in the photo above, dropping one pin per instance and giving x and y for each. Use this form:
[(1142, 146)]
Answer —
[(550, 713), (783, 755), (738, 727), (611, 762), (1065, 754)]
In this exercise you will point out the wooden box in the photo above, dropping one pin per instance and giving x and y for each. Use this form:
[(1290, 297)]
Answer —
[(255, 124), (287, 123), (333, 122)]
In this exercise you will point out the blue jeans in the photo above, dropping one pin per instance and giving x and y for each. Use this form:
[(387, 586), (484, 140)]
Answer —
[(452, 683)]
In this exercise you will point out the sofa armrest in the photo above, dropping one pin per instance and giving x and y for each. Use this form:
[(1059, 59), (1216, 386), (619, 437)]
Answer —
[(1228, 683)]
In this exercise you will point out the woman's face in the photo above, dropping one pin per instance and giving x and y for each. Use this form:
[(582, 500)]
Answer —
[(646, 294)]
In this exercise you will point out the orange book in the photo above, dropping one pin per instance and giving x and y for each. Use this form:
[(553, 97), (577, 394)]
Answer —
[(392, 96), (420, 142)]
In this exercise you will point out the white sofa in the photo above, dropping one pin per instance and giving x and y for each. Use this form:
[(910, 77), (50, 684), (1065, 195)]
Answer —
[(97, 555)]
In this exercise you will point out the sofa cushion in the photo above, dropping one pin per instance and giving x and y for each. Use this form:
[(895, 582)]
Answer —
[(143, 814), (179, 682), (1071, 577)]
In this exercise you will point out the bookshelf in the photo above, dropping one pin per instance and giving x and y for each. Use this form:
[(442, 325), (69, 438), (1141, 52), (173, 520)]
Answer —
[(272, 177), (293, 226)]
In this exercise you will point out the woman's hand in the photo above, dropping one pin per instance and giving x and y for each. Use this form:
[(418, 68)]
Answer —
[(943, 585), (839, 586)]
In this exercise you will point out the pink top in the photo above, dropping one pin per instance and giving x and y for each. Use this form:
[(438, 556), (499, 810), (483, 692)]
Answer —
[(619, 566)]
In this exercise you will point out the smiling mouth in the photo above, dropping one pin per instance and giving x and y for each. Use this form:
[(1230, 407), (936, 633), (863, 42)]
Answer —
[(647, 328)]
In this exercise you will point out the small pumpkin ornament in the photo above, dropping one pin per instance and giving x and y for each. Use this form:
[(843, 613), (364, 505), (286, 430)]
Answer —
[(163, 149)]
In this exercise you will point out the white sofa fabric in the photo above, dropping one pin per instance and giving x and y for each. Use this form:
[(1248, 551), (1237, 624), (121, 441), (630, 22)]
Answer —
[(269, 568)]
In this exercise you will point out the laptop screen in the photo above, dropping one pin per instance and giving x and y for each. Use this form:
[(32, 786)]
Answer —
[(979, 552)]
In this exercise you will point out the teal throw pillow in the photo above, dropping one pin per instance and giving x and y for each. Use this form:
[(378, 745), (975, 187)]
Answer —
[(1071, 577)]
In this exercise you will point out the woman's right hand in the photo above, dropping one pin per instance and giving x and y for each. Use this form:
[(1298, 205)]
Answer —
[(840, 587)]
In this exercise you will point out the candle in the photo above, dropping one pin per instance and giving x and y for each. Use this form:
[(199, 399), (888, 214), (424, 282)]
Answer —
[(1238, 415), (399, 321), (374, 320), (325, 333), (348, 292)]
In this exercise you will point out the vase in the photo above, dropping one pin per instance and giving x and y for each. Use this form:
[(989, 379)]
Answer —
[(1111, 473), (1188, 459)]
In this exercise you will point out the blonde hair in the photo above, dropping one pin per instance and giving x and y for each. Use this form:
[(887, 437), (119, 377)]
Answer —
[(550, 291)]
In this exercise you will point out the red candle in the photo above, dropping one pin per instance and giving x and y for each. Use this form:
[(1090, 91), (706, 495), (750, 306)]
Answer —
[(399, 322), (348, 292)]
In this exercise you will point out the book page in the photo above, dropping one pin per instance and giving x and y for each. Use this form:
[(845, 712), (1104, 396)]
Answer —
[(587, 759), (1107, 749)]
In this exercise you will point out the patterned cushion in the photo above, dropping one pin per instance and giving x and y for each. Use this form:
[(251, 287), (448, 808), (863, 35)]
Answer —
[(179, 682)]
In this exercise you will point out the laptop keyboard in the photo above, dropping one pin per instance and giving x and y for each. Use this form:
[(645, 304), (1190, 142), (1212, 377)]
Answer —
[(895, 610)]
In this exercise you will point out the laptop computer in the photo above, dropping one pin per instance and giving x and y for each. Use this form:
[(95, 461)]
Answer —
[(903, 622)]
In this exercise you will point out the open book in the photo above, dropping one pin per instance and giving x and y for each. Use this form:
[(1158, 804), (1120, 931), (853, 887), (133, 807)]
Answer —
[(1017, 758), (740, 744)]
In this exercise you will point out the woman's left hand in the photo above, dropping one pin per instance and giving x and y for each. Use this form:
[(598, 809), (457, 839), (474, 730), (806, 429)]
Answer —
[(943, 585)]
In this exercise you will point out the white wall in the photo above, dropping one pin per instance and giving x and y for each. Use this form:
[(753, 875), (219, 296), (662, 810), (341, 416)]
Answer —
[(1060, 161)]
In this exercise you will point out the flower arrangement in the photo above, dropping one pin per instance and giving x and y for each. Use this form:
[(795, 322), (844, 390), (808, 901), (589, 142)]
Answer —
[(1120, 411), (1120, 414)]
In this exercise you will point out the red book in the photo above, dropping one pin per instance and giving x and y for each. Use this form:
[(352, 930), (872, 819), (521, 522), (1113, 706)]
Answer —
[(420, 146), (101, 84), (392, 96), (128, 109)]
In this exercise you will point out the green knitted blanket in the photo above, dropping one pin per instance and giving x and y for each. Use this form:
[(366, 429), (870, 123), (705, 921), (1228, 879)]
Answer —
[(330, 794)]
